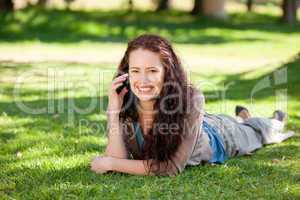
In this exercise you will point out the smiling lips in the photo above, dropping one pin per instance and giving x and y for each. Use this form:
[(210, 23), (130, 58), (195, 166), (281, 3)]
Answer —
[(145, 88)]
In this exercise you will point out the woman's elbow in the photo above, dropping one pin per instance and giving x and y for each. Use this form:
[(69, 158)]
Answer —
[(122, 155)]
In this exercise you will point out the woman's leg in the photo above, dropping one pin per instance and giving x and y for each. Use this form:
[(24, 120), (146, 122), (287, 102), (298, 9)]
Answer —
[(278, 124), (271, 129)]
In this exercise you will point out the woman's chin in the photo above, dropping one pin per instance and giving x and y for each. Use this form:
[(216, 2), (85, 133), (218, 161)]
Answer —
[(146, 97)]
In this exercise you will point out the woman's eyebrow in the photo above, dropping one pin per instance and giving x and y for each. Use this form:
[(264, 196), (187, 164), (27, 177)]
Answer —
[(134, 68), (154, 67)]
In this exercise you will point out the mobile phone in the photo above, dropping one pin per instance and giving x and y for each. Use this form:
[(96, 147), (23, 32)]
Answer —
[(125, 84)]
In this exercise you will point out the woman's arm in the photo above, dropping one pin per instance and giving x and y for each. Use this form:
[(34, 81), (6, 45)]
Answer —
[(102, 164), (135, 167), (116, 145)]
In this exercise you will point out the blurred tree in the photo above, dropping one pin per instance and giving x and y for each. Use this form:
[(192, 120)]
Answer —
[(198, 7), (214, 8), (249, 5), (130, 5), (162, 5), (289, 10), (68, 3), (42, 3), (6, 5)]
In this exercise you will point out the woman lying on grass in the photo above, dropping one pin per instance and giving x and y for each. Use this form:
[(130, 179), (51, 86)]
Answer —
[(157, 124)]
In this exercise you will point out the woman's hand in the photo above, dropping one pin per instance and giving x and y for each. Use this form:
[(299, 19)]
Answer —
[(101, 164), (115, 100)]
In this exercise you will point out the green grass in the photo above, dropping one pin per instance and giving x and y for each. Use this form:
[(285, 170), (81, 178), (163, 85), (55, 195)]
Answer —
[(47, 155), (118, 26), (42, 35)]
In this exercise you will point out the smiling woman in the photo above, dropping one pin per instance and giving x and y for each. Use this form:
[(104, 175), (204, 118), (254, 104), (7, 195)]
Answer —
[(146, 74), (157, 124)]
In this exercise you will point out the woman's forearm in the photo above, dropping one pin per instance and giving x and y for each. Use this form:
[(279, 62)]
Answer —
[(135, 167), (115, 146)]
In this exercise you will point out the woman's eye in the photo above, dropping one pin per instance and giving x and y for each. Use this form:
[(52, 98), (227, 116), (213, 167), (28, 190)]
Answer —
[(153, 71), (133, 71)]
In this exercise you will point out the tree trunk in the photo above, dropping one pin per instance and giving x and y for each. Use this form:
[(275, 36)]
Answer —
[(6, 5), (42, 3), (198, 7), (130, 5), (162, 5), (249, 5), (214, 8), (289, 9), (68, 4)]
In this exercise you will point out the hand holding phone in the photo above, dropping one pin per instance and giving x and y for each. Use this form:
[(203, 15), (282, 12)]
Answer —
[(125, 84), (116, 93)]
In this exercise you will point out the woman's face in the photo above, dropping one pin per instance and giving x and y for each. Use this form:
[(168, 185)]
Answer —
[(146, 74)]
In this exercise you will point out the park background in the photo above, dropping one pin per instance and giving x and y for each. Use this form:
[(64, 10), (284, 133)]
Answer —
[(53, 51)]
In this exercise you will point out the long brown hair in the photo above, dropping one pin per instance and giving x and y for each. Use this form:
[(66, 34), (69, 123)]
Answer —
[(160, 146)]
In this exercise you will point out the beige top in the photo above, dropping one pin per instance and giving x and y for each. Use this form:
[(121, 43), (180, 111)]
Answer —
[(194, 148)]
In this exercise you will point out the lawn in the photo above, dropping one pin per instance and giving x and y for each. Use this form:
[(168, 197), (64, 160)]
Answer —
[(55, 67)]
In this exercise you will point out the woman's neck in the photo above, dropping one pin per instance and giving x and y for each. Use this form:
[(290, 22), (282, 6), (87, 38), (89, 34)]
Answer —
[(146, 106), (146, 114)]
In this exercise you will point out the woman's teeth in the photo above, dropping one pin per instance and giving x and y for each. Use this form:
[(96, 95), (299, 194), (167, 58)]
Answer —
[(145, 89)]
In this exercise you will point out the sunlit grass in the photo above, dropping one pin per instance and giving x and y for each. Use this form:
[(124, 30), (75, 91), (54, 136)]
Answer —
[(243, 42), (46, 155)]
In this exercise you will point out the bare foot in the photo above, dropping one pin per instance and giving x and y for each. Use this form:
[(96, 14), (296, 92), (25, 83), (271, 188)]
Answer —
[(280, 116), (242, 112)]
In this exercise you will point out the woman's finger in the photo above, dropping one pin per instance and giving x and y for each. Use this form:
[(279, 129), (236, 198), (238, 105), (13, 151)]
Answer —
[(123, 91), (115, 86), (120, 78), (100, 172), (118, 81)]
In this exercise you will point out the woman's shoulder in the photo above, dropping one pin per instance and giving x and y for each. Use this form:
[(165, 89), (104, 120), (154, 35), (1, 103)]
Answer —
[(194, 114), (196, 105), (198, 97)]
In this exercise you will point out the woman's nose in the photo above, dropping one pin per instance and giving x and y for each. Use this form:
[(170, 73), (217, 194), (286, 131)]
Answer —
[(144, 78)]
